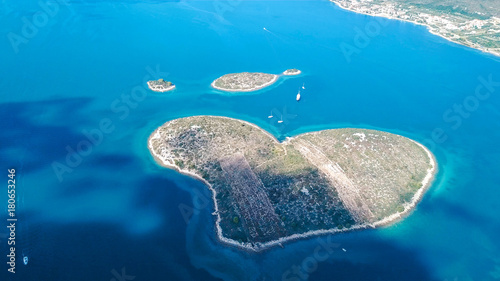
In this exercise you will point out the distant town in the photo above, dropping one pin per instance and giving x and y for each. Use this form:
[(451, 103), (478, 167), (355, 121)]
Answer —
[(470, 23)]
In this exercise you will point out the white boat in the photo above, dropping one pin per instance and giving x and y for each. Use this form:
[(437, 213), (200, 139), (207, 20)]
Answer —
[(25, 260), (270, 116), (303, 86), (298, 96), (281, 120), (344, 250)]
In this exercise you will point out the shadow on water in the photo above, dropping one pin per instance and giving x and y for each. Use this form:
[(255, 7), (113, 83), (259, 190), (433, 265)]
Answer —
[(85, 249), (27, 136), (97, 252), (367, 255), (92, 247), (406, 268), (477, 241)]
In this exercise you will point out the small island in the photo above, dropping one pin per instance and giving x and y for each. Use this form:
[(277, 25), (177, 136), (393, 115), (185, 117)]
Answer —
[(244, 81), (291, 72), (160, 85), (267, 192)]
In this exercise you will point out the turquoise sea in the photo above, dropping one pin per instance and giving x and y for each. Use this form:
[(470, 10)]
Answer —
[(93, 205)]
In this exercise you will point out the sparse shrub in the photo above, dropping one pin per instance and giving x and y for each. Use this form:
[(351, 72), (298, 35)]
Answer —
[(179, 163)]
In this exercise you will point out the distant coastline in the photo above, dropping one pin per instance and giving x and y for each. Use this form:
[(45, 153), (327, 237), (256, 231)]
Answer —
[(258, 246), (429, 28)]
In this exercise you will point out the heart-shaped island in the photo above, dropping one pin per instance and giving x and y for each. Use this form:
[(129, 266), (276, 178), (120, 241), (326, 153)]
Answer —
[(266, 192)]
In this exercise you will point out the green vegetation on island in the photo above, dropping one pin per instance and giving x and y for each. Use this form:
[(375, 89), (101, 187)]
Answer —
[(266, 190), (244, 81), (474, 24), (160, 85), (293, 71), (249, 81)]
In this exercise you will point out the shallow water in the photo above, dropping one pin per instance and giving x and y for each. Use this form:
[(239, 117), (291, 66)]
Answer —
[(118, 210)]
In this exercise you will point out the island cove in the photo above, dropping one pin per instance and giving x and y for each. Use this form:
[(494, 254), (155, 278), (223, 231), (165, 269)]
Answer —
[(266, 192), (249, 81)]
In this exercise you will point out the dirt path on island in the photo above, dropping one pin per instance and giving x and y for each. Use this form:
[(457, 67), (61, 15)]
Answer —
[(346, 189)]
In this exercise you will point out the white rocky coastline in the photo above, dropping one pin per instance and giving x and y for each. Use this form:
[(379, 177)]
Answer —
[(249, 81), (292, 72), (408, 208), (244, 87), (437, 25), (160, 86)]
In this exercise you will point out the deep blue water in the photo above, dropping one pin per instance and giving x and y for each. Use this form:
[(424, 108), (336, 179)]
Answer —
[(115, 209)]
